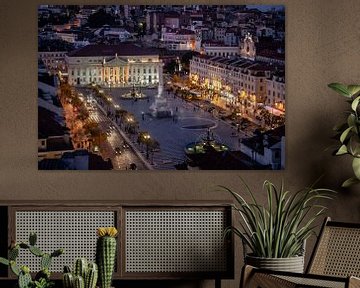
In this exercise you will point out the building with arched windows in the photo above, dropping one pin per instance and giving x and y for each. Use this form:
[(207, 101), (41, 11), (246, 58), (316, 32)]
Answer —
[(113, 65)]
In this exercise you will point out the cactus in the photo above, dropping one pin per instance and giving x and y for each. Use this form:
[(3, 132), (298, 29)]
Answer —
[(80, 267), (24, 280), (42, 278), (14, 268), (13, 253), (36, 251), (90, 272), (67, 269), (79, 282), (91, 276), (24, 246), (32, 239), (57, 252), (44, 273), (105, 254), (68, 280), (45, 261)]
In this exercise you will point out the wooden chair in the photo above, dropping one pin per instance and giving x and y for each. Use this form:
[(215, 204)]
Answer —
[(335, 262)]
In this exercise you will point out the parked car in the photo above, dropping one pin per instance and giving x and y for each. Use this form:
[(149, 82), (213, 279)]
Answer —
[(118, 151)]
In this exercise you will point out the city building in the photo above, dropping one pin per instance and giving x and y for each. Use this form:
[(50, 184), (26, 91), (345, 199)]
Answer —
[(53, 137), (276, 92), (108, 32), (241, 82), (267, 148), (114, 65), (231, 38), (76, 160), (172, 20), (53, 61), (219, 33), (178, 39), (211, 48), (67, 36)]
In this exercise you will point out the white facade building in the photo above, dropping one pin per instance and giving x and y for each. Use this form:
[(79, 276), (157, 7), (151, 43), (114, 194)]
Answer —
[(276, 92), (68, 37), (178, 39), (113, 65), (241, 78), (53, 60), (212, 49)]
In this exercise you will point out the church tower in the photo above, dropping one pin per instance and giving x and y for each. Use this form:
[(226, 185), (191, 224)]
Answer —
[(247, 48)]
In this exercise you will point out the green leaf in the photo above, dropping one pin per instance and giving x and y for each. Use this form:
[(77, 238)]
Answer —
[(353, 89), (342, 150), (4, 261), (355, 103), (356, 167), (340, 88), (345, 134), (351, 120), (354, 145), (349, 182), (14, 268)]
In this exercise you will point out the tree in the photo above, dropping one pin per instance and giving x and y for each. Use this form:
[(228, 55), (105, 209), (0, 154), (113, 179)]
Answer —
[(185, 60), (93, 129), (100, 18), (170, 67)]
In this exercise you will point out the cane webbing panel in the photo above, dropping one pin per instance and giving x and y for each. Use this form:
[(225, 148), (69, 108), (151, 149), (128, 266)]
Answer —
[(74, 231), (313, 282), (338, 252), (175, 241)]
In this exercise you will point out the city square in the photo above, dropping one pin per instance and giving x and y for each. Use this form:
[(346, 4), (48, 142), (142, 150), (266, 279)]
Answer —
[(178, 93)]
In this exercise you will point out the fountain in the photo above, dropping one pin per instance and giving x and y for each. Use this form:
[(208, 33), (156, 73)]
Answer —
[(207, 144), (134, 94)]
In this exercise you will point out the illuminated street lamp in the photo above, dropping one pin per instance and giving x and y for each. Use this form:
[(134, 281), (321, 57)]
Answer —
[(147, 142)]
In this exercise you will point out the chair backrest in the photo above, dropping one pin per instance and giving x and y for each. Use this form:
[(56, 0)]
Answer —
[(337, 251)]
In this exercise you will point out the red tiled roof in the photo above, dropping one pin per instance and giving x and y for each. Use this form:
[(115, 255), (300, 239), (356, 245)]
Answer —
[(124, 49)]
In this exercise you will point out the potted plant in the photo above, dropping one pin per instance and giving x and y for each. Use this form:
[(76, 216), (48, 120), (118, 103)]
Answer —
[(84, 274), (349, 132), (276, 233), (42, 278)]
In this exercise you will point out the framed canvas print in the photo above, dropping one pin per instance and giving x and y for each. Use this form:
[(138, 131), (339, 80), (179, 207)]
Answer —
[(161, 87)]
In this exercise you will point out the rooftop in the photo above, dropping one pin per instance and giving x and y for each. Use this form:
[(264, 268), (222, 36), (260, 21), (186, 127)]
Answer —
[(47, 125), (123, 49)]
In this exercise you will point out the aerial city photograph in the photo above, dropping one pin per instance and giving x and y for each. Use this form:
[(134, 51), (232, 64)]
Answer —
[(161, 87)]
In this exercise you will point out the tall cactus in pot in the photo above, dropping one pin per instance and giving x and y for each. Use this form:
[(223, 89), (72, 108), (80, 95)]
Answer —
[(106, 254)]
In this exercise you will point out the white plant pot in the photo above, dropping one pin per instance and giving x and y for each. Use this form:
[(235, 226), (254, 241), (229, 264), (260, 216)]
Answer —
[(291, 264)]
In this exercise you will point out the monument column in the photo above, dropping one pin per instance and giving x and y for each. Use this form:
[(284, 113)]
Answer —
[(161, 79)]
